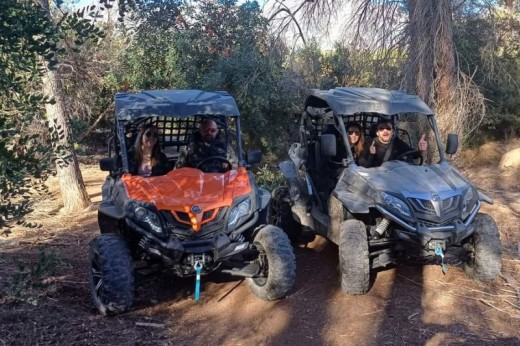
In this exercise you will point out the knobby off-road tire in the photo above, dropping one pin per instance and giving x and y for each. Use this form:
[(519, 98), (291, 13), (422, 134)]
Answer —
[(281, 214), (485, 256), (111, 274), (354, 262), (277, 263)]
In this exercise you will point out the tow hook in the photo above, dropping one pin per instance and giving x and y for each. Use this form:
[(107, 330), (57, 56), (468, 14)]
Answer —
[(198, 268), (438, 252), (200, 258)]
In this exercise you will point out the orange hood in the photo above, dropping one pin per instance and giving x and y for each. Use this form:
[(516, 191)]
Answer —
[(182, 189)]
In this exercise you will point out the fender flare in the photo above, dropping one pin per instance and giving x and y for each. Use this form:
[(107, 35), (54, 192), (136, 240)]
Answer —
[(354, 203)]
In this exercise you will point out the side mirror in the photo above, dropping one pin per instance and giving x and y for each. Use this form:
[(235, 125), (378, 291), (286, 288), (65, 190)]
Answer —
[(328, 145), (254, 156), (452, 143), (108, 164)]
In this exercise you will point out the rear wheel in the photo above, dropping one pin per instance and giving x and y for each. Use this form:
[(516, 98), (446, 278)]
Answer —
[(354, 260), (277, 264), (484, 260), (111, 274)]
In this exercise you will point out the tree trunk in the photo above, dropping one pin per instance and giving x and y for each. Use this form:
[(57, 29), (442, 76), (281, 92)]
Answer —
[(73, 190), (419, 73), (431, 70), (444, 62)]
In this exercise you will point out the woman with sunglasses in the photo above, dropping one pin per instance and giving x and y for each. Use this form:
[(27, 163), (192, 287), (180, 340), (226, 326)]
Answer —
[(385, 146), (356, 139), (148, 160)]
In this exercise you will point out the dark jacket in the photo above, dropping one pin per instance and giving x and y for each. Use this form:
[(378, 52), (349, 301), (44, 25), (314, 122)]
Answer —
[(396, 147), (197, 151), (162, 166)]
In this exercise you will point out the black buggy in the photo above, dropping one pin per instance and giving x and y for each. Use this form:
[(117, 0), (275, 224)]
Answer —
[(190, 221), (379, 215)]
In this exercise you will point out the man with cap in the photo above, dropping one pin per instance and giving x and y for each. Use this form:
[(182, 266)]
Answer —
[(386, 146)]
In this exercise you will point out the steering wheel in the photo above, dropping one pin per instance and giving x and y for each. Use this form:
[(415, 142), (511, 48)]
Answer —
[(410, 152), (223, 167)]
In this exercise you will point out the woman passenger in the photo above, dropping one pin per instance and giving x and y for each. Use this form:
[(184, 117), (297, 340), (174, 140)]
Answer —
[(148, 160), (356, 139)]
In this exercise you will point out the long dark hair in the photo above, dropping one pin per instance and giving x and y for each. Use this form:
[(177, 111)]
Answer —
[(139, 143), (358, 147)]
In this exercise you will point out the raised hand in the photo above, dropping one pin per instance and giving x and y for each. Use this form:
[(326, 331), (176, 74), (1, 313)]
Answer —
[(423, 145), (373, 148)]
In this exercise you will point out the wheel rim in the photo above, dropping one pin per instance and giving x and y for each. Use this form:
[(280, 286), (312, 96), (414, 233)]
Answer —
[(97, 276), (470, 252), (261, 280), (276, 215)]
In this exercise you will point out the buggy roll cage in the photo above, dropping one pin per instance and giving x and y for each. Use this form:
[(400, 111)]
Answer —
[(176, 114), (365, 106)]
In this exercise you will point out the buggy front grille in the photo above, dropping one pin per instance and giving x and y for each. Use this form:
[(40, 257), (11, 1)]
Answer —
[(185, 217), (426, 207), (179, 222)]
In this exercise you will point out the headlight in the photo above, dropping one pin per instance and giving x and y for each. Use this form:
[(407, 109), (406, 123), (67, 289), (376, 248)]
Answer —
[(397, 204), (241, 209), (150, 218), (468, 201)]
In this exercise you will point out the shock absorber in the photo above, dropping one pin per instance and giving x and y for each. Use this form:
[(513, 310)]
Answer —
[(383, 225)]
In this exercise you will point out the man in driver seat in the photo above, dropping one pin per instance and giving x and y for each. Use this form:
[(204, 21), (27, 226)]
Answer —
[(208, 151), (386, 146)]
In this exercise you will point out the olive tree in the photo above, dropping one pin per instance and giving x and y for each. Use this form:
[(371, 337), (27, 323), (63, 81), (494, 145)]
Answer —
[(31, 104)]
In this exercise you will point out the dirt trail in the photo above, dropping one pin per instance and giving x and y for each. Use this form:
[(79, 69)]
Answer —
[(407, 305)]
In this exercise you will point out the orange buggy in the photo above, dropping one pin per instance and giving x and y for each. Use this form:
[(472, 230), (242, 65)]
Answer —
[(189, 221)]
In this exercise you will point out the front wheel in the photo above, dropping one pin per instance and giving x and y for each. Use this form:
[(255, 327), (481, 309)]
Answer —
[(111, 274), (354, 261), (277, 264), (484, 260)]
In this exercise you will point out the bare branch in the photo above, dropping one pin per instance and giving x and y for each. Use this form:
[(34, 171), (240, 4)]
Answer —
[(294, 20)]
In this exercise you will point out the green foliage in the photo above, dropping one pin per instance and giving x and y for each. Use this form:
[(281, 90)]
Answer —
[(269, 178), (344, 66), (215, 45), (234, 52), (307, 63), (337, 67), (489, 50), (85, 51), (24, 34), (266, 95), (33, 279), (26, 151), (23, 169)]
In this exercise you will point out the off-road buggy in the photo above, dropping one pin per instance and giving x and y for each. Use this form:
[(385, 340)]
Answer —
[(187, 221), (378, 216)]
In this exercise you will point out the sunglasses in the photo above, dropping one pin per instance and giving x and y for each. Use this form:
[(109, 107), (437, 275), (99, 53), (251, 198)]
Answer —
[(381, 128), (151, 134), (209, 130), (353, 132)]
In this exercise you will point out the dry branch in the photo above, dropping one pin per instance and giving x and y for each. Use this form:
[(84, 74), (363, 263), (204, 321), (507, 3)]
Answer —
[(517, 289), (94, 125), (472, 298), (485, 302), (148, 324)]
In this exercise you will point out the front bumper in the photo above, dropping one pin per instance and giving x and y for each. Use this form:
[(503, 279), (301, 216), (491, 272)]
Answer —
[(221, 247), (449, 234)]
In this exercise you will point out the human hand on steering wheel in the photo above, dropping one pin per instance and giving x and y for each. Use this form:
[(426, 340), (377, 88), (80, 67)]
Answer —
[(223, 167)]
